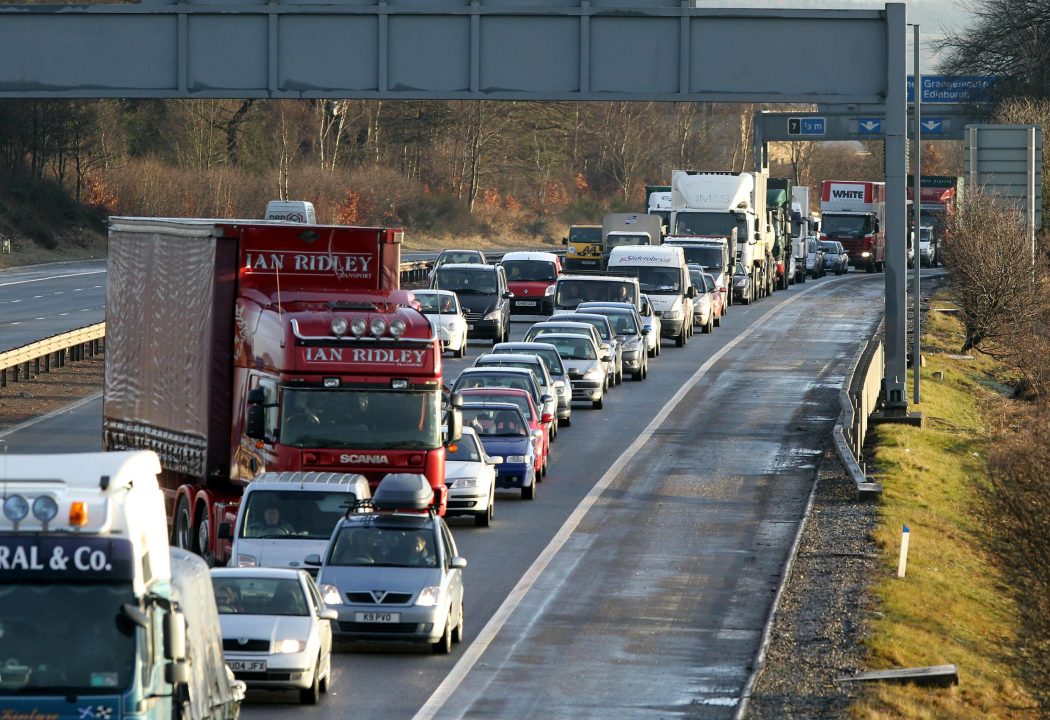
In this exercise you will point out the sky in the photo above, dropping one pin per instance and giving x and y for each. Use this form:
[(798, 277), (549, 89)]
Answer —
[(935, 17)]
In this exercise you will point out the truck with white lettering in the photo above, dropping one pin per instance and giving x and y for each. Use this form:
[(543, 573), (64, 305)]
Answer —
[(100, 618), (713, 204), (854, 212), (239, 347)]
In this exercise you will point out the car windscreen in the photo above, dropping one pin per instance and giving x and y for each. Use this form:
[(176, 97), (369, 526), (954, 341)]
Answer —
[(481, 281), (384, 547), (573, 349), (301, 514), (447, 258), (529, 270), (493, 379), (600, 325), (852, 226), (520, 400), (496, 422), (464, 450), (572, 292), (434, 303)]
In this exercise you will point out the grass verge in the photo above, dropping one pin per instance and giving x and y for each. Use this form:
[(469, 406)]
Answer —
[(953, 606)]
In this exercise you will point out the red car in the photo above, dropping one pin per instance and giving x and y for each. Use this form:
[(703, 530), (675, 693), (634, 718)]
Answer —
[(538, 423), (718, 298), (530, 277)]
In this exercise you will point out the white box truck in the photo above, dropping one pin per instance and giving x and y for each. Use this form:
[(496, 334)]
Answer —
[(663, 276)]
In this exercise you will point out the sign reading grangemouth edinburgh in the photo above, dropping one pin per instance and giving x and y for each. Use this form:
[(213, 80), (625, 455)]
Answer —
[(41, 558), (952, 89)]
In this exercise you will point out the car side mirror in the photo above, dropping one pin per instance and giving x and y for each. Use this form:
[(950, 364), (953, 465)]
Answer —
[(645, 331), (256, 396), (565, 241), (458, 563), (546, 398), (313, 560), (691, 292), (328, 614), (508, 295), (225, 531)]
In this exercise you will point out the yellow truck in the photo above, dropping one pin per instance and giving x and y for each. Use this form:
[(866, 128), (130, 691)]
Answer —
[(583, 251)]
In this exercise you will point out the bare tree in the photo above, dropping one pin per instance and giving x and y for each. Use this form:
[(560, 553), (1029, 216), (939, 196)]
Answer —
[(1000, 292)]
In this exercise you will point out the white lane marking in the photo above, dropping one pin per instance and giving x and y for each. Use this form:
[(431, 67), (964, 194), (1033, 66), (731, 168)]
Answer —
[(67, 408), (14, 301), (52, 277), (472, 654)]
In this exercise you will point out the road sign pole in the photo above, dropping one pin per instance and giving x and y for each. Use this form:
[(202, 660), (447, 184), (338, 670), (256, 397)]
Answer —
[(896, 368), (916, 237)]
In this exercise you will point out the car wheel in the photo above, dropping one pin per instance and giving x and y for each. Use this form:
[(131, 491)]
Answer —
[(638, 376), (457, 632), (567, 420), (529, 491), (599, 403), (462, 352), (718, 321), (310, 695), (484, 519), (443, 646), (680, 341)]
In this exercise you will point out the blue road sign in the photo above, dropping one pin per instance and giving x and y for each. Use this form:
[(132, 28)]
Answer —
[(951, 89), (869, 126), (932, 125), (813, 126)]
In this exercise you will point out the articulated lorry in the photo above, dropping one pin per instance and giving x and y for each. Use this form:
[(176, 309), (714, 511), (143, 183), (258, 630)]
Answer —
[(802, 226), (713, 204), (239, 347), (620, 229), (99, 616), (583, 249), (778, 201), (854, 212)]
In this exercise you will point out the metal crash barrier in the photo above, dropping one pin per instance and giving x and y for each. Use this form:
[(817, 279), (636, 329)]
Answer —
[(26, 362)]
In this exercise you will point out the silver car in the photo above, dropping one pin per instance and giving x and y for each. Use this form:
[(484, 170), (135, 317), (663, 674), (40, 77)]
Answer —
[(631, 333), (584, 364), (538, 368), (276, 630), (395, 574), (563, 325), (556, 368), (605, 332)]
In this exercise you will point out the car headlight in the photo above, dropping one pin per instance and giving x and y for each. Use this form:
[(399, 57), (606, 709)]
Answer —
[(549, 290), (465, 483), (247, 561), (288, 647), (494, 315), (593, 374), (865, 254), (515, 459), (330, 595), (570, 250), (429, 596), (673, 314)]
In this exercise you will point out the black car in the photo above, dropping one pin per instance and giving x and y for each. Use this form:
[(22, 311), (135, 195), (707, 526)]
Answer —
[(741, 285), (483, 295)]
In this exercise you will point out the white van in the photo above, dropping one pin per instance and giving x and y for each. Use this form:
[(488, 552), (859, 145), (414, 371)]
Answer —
[(571, 290), (296, 211), (285, 516), (664, 277)]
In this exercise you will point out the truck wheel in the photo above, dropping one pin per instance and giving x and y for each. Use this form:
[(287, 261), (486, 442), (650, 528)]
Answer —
[(182, 530), (203, 537), (681, 340)]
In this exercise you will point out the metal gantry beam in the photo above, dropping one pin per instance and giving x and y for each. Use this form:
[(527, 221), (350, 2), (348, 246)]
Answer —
[(445, 49)]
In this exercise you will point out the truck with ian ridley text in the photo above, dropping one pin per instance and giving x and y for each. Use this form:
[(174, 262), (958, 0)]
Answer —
[(236, 347), (854, 212), (99, 616), (714, 204)]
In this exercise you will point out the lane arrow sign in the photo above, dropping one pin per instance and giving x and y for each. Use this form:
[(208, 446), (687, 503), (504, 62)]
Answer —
[(933, 125), (870, 126)]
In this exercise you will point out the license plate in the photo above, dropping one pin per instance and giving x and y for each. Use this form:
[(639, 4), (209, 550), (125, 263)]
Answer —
[(247, 665), (377, 617), (527, 303), (470, 326)]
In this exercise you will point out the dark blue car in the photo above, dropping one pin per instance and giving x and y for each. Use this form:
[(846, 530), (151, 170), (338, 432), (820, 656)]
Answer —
[(504, 432)]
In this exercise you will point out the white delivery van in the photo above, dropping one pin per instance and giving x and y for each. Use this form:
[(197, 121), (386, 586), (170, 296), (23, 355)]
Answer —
[(285, 516), (571, 290), (663, 276), (297, 211)]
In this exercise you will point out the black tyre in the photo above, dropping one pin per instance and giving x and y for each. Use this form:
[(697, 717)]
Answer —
[(599, 403), (567, 421), (457, 632), (484, 519), (443, 646), (182, 531), (529, 492), (310, 695), (682, 338)]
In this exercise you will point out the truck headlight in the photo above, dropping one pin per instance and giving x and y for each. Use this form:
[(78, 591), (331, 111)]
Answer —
[(673, 314), (330, 595), (570, 250), (247, 561)]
